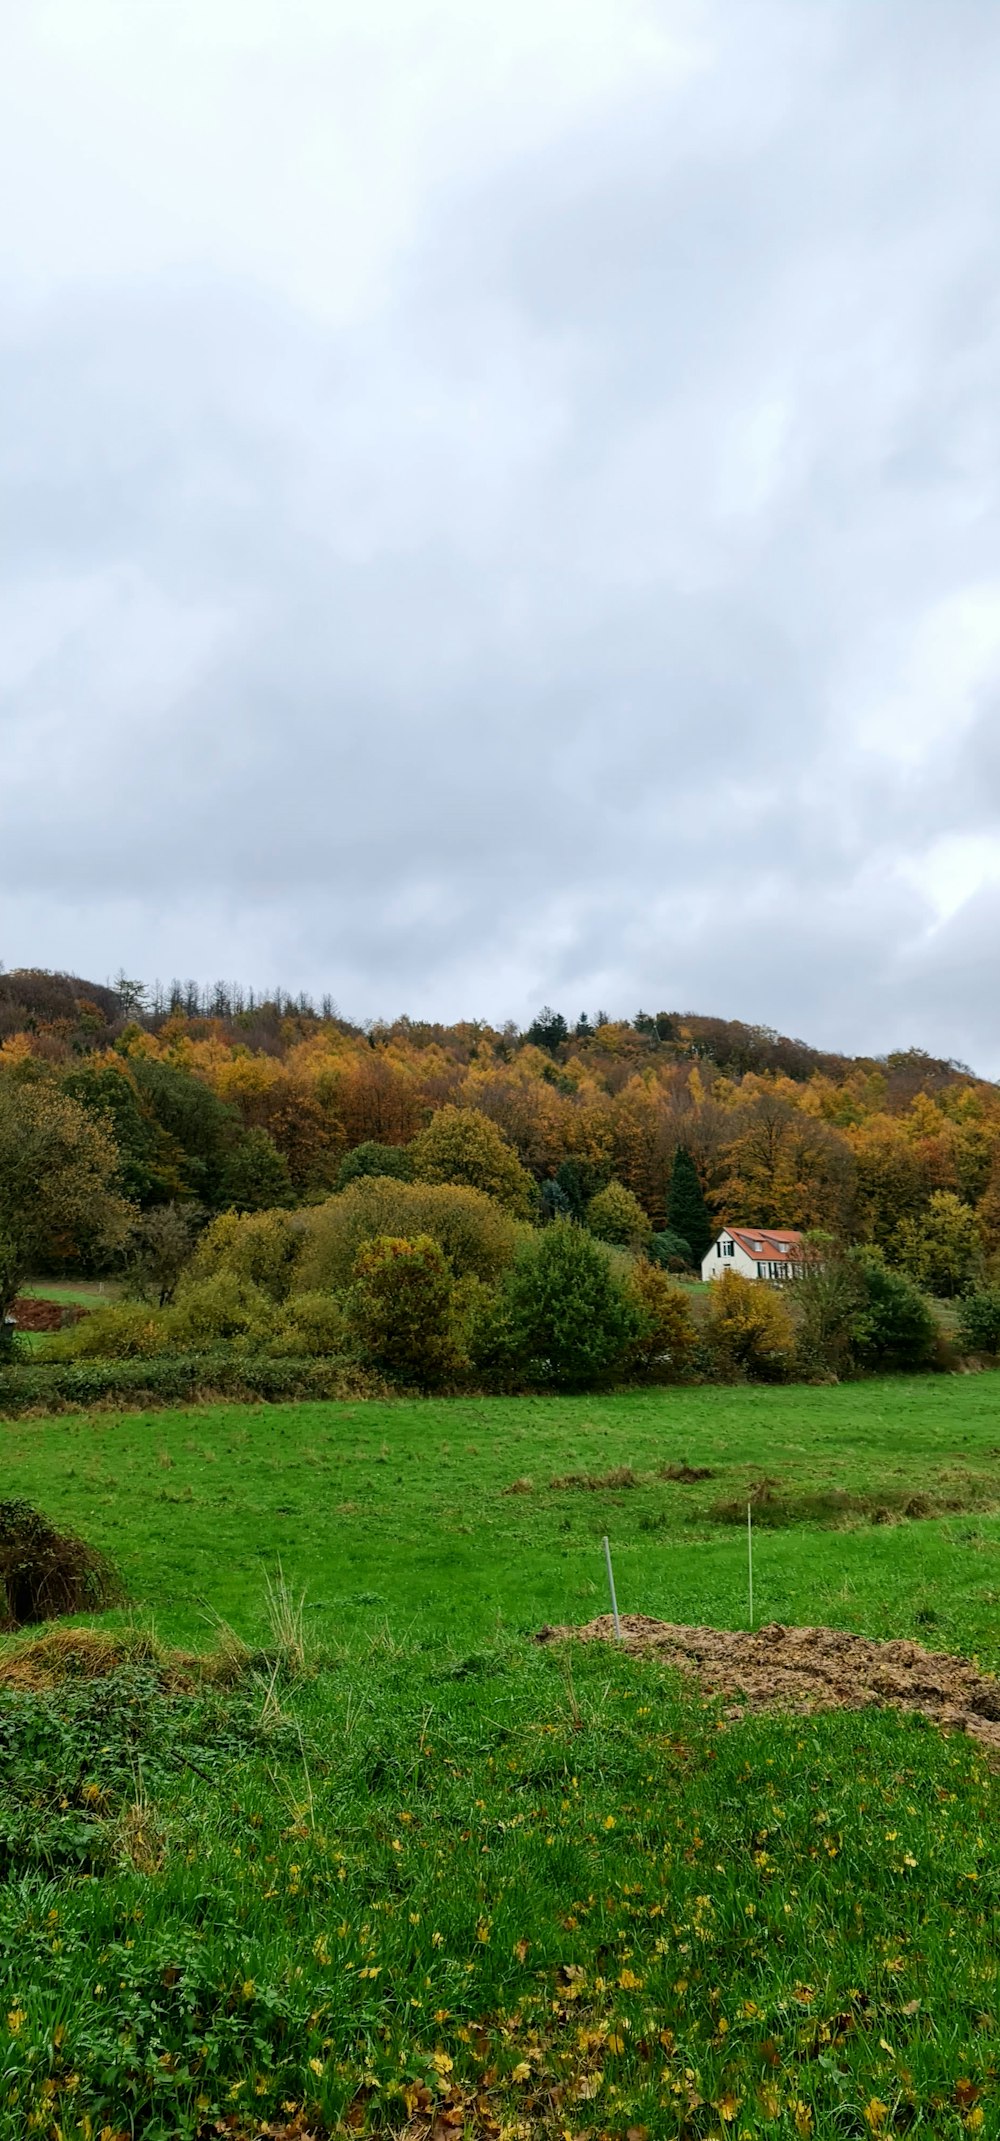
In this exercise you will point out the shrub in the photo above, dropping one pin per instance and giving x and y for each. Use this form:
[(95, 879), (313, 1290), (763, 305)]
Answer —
[(128, 1330), (561, 1316), (670, 1251), (259, 1247), (374, 1159), (666, 1339), (475, 1235), (176, 1378), (312, 1325), (748, 1329), (979, 1320), (208, 1312), (465, 1147), (401, 1311), (893, 1327), (614, 1215), (44, 1572)]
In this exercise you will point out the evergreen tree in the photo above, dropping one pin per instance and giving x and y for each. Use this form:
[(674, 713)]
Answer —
[(686, 1208)]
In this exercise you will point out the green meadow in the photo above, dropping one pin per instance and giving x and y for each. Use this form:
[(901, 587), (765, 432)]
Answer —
[(389, 1867)]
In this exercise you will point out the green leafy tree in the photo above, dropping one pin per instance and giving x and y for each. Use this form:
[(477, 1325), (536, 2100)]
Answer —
[(254, 1176), (940, 1247), (147, 1156), (461, 1145), (202, 1128), (374, 1159), (59, 1171), (561, 1317), (893, 1327), (687, 1212), (580, 1180), (614, 1215), (161, 1245), (830, 1298), (979, 1320), (401, 1310)]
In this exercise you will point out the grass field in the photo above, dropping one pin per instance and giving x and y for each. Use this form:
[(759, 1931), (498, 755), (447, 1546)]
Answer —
[(444, 1880)]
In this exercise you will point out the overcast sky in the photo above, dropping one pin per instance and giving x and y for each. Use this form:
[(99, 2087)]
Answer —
[(502, 504)]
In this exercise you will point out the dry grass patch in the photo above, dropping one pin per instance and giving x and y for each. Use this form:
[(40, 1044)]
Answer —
[(591, 1482)]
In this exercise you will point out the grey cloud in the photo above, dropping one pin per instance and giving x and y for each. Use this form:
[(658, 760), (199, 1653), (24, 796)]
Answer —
[(515, 642)]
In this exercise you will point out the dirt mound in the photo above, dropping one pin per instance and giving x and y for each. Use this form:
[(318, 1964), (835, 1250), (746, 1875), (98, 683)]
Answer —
[(805, 1669)]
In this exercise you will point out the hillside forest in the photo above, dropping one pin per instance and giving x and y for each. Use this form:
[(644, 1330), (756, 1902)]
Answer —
[(257, 1104)]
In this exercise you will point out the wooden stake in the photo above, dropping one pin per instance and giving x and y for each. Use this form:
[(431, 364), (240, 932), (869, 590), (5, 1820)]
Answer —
[(611, 1588)]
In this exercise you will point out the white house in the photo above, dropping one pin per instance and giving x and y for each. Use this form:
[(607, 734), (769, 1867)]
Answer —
[(756, 1252)]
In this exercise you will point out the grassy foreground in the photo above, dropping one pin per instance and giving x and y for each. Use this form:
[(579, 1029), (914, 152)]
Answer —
[(446, 1881)]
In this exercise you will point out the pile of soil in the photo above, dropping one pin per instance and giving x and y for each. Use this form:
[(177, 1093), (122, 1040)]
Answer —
[(31, 1314), (807, 1669)]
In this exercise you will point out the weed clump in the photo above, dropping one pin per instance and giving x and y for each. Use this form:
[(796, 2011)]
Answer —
[(45, 1573)]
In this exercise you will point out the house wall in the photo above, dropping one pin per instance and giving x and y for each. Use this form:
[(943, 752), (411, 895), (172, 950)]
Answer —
[(714, 1266)]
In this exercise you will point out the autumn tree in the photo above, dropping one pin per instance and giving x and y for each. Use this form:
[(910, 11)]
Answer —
[(461, 1145), (666, 1339), (614, 1215), (59, 1172), (748, 1329), (401, 1310)]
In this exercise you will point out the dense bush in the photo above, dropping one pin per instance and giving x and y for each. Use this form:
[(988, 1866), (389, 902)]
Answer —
[(401, 1310), (224, 1308), (476, 1236), (561, 1317), (614, 1215), (127, 1330), (670, 1251), (748, 1329), (893, 1326), (313, 1325), (176, 1378), (260, 1247), (666, 1339), (979, 1320), (463, 1146), (374, 1159)]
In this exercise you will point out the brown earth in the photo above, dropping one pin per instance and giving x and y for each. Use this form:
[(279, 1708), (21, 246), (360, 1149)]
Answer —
[(32, 1314), (806, 1669)]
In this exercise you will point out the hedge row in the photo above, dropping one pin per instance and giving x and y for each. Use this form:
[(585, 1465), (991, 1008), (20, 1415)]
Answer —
[(58, 1386)]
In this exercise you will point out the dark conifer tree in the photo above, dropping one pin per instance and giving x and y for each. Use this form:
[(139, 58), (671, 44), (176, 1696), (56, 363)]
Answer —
[(686, 1208)]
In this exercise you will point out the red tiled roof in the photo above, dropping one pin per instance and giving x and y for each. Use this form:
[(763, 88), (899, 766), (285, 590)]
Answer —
[(768, 1244)]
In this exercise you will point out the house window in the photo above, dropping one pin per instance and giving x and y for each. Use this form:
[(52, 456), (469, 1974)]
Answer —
[(729, 1248)]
